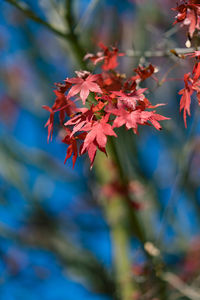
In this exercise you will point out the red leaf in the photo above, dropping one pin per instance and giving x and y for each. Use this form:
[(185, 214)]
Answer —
[(189, 14), (49, 122), (196, 71), (144, 73), (73, 148), (84, 86), (130, 99), (97, 136), (186, 98), (138, 117), (109, 57)]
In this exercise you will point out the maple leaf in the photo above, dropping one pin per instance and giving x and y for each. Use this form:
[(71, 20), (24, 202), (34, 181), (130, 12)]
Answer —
[(84, 85), (131, 119), (191, 20), (143, 72), (72, 150), (185, 101), (108, 56), (153, 117), (63, 105), (86, 115), (188, 13), (111, 81), (62, 87), (196, 71), (96, 136), (49, 122), (191, 85), (124, 117), (130, 99)]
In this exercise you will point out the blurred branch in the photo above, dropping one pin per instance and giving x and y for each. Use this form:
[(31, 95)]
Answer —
[(79, 27), (30, 14), (79, 262), (181, 182), (74, 41), (75, 46), (69, 14), (160, 53), (38, 158), (179, 285)]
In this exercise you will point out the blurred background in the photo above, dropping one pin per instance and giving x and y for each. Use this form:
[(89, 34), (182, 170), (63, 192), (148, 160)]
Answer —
[(55, 242)]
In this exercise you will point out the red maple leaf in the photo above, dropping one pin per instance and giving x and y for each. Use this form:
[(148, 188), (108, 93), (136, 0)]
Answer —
[(85, 116), (131, 119), (111, 81), (188, 13), (84, 84), (63, 105), (72, 150), (192, 84), (96, 136), (49, 122), (196, 71), (143, 72), (153, 117), (186, 93), (130, 99), (108, 56)]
